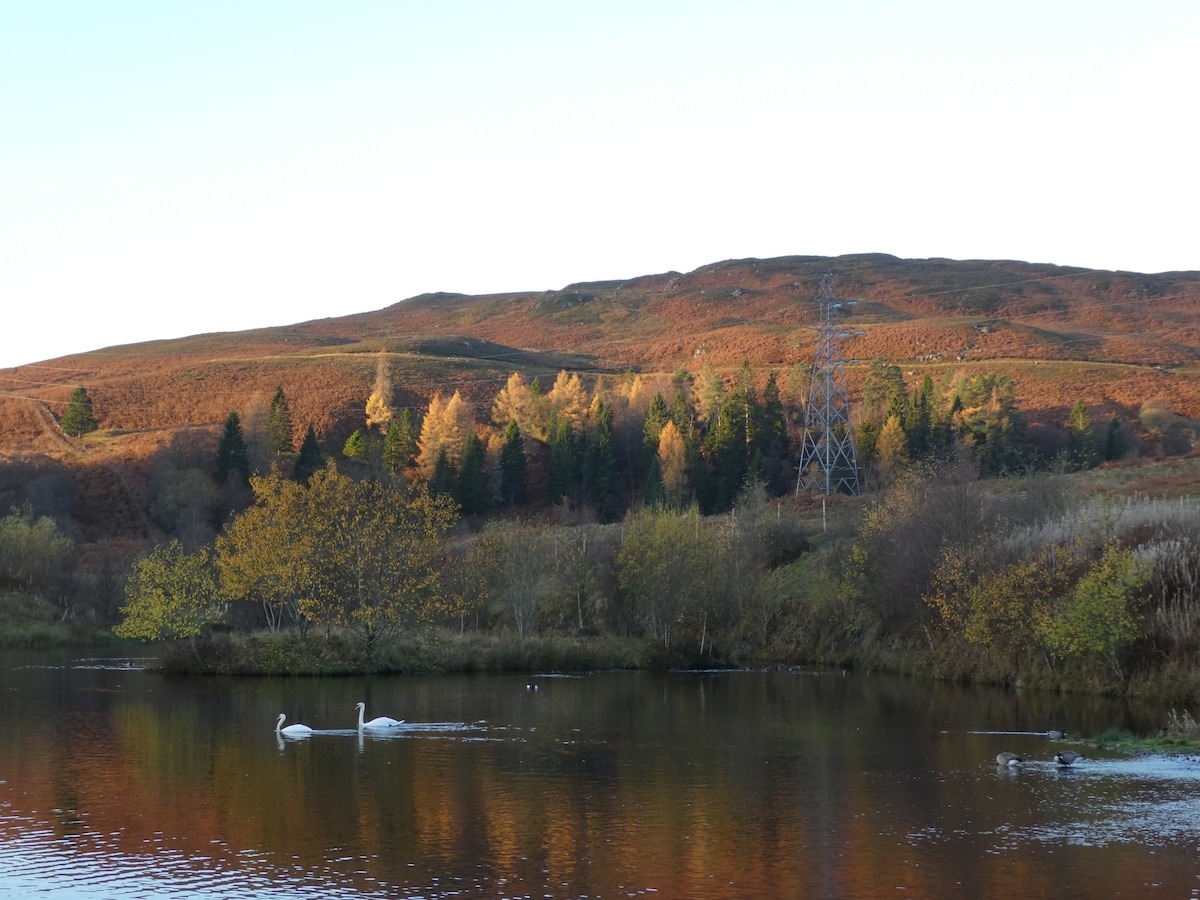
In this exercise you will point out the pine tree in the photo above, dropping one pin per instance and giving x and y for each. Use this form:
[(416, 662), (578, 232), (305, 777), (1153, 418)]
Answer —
[(355, 447), (279, 424), (232, 455), (725, 451), (1114, 442), (602, 463), (513, 465), (1082, 452), (445, 476), (559, 477), (78, 419), (399, 446), (309, 459), (472, 479), (919, 430), (656, 417)]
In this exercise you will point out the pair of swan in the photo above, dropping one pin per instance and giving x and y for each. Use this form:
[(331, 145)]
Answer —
[(377, 722)]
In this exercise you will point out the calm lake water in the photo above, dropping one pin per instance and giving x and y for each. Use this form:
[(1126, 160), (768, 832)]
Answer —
[(118, 783)]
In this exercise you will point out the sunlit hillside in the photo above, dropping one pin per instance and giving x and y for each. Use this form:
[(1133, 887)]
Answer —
[(1115, 340)]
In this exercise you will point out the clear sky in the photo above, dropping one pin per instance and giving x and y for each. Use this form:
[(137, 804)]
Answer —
[(175, 168)]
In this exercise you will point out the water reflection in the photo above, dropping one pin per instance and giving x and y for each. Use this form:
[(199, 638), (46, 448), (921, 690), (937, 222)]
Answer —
[(712, 785)]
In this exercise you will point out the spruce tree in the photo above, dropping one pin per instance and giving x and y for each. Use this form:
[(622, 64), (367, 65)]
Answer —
[(309, 459), (1082, 452), (472, 479), (79, 418), (444, 477), (602, 465), (656, 417), (399, 446), (355, 447), (725, 450), (279, 424), (1114, 442), (232, 455), (560, 475), (512, 466)]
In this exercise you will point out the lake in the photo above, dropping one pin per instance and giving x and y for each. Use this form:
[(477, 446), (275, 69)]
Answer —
[(119, 783)]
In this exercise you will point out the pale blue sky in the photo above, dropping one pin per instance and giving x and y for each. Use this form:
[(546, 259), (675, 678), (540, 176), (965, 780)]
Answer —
[(173, 168)]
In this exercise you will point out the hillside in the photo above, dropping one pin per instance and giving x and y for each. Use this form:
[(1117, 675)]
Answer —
[(1113, 339)]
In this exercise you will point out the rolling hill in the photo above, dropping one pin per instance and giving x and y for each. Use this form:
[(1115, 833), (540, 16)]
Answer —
[(1114, 339)]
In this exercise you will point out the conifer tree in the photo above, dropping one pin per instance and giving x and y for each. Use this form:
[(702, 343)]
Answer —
[(725, 451), (512, 404), (279, 424), (568, 399), (355, 447), (78, 418), (1082, 452), (445, 427), (714, 393), (602, 462), (892, 446), (472, 479), (1114, 442), (399, 445), (656, 417), (513, 465), (672, 465), (560, 475), (919, 430), (309, 460), (445, 477), (233, 459)]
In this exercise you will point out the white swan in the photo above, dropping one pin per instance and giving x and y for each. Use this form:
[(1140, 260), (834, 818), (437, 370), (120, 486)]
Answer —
[(291, 729), (378, 721)]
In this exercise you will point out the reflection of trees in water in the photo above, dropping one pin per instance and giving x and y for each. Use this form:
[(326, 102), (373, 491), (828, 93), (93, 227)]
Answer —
[(742, 784)]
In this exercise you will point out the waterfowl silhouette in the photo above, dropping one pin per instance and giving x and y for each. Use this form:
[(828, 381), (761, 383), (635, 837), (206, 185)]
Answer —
[(1066, 757), (1008, 759)]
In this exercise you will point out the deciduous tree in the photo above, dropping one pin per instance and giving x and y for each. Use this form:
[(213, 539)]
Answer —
[(172, 594)]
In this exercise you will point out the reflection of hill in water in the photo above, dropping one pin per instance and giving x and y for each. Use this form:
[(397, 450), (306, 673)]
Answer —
[(742, 784)]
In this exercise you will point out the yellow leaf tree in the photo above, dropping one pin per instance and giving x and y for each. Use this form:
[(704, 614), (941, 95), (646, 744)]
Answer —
[(171, 594), (672, 462), (265, 555), (445, 427), (569, 399), (378, 554)]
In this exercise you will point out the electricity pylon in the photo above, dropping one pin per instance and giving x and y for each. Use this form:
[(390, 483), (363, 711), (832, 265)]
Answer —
[(827, 460)]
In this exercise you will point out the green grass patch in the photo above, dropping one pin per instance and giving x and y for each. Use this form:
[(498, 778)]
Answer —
[(29, 620)]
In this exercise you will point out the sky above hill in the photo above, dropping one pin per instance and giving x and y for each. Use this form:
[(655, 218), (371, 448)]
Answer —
[(169, 169)]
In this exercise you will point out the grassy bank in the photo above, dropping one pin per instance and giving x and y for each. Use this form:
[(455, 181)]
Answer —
[(431, 651), (30, 621)]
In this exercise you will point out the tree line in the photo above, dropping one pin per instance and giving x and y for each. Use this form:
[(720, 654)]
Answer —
[(603, 448)]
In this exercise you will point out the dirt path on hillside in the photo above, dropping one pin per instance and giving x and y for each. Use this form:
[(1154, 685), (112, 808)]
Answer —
[(51, 429)]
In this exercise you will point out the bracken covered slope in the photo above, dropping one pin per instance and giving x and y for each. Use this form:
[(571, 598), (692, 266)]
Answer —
[(1114, 339)]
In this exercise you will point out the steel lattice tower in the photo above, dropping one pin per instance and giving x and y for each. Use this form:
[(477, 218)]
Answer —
[(827, 459)]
